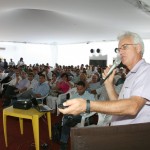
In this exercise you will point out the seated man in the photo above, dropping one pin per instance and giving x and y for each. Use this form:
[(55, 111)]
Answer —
[(94, 83), (32, 85), (33, 82), (38, 91), (70, 121), (18, 85)]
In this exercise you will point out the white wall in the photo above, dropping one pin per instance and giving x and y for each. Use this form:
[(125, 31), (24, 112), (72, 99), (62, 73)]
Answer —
[(31, 53), (76, 54), (80, 53)]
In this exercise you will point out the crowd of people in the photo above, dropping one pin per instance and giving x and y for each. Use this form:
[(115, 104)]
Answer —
[(39, 80)]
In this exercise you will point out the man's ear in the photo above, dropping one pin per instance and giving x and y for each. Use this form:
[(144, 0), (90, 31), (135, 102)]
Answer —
[(139, 48)]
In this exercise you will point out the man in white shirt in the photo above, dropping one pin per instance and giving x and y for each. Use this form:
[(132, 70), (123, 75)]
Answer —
[(11, 63), (20, 62), (133, 103), (70, 122), (32, 84)]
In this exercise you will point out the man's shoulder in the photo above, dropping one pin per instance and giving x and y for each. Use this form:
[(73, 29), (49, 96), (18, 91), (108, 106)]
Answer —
[(87, 94)]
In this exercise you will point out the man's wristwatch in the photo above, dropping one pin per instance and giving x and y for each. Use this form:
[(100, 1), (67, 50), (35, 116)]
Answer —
[(87, 106)]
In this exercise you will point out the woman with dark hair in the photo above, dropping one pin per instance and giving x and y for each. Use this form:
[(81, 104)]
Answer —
[(64, 85)]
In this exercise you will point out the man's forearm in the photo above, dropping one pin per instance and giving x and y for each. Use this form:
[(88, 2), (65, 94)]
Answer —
[(111, 92)]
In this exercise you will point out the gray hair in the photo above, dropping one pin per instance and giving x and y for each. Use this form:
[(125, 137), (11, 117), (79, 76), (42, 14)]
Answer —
[(136, 39)]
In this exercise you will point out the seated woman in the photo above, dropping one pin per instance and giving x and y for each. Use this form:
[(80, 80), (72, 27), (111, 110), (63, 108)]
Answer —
[(62, 86)]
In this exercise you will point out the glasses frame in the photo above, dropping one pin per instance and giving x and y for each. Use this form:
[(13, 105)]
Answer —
[(123, 47)]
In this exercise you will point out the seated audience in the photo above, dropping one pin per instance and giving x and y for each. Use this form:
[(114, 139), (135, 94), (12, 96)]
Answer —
[(38, 91)]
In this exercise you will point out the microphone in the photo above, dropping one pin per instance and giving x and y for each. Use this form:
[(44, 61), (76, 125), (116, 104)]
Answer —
[(115, 64)]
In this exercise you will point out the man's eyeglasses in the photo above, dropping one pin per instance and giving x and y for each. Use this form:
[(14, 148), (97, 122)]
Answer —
[(123, 47)]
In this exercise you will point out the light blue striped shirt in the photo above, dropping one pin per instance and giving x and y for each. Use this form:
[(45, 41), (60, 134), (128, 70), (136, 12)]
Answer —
[(86, 96), (42, 88)]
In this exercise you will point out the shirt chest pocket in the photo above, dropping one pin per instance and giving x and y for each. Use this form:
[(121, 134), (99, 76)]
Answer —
[(127, 92)]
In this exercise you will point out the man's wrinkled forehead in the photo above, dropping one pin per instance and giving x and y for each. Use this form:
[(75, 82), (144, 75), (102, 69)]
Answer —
[(125, 40)]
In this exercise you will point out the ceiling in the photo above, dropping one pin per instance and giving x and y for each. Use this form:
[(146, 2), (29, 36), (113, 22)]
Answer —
[(71, 21)]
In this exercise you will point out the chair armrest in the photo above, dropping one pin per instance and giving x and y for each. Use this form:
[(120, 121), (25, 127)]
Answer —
[(84, 116)]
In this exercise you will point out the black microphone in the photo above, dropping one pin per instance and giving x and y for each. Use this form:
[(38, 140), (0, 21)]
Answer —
[(115, 64)]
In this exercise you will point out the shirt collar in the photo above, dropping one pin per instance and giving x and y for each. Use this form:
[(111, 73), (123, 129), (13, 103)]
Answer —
[(42, 83), (136, 67)]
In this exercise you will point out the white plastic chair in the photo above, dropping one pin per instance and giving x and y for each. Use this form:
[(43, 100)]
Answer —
[(62, 98), (72, 91), (103, 119), (84, 118), (42, 98)]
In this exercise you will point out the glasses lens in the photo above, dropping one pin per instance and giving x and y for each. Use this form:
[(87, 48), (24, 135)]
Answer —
[(124, 47)]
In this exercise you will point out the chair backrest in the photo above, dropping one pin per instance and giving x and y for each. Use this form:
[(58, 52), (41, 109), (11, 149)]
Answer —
[(72, 91), (42, 98), (62, 98), (103, 119), (84, 118), (65, 96)]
